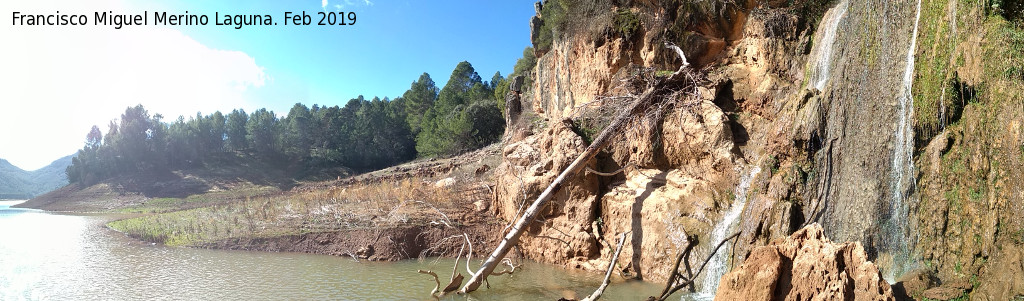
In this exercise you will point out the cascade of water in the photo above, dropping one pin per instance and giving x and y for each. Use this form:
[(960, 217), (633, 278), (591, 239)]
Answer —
[(718, 265), (821, 53), (902, 164)]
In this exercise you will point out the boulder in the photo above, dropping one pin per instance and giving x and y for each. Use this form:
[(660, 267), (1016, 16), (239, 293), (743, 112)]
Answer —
[(445, 183), (805, 266)]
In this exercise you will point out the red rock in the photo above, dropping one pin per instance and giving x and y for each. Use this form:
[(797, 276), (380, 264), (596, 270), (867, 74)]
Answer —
[(805, 266)]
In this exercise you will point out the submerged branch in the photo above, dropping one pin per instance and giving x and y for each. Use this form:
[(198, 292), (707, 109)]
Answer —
[(607, 275), (688, 281)]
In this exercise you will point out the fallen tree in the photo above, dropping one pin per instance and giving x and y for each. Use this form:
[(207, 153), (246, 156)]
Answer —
[(658, 89)]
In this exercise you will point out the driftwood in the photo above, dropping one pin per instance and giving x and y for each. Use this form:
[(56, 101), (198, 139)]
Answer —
[(456, 280), (677, 281), (608, 275)]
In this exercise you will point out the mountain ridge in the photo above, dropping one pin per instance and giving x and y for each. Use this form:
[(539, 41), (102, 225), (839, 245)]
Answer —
[(17, 183)]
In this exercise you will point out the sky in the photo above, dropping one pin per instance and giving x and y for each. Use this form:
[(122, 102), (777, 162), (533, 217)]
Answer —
[(56, 82)]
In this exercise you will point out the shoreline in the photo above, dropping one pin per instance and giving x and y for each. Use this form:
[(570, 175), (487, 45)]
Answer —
[(407, 211)]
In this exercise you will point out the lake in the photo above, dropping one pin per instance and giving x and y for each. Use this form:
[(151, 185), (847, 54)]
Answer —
[(53, 256)]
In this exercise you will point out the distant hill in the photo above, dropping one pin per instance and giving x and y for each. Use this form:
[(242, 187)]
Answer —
[(16, 183)]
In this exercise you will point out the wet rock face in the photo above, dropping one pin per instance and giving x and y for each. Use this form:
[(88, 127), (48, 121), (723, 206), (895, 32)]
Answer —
[(826, 155), (661, 206), (860, 121), (680, 165), (805, 266)]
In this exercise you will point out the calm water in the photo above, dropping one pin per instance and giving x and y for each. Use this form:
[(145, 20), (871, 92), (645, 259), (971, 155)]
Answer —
[(46, 256)]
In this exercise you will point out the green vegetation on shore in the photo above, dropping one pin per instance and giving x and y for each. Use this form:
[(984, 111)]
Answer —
[(318, 142)]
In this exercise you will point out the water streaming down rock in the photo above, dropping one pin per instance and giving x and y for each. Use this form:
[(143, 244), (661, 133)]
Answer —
[(821, 55), (896, 232), (719, 264)]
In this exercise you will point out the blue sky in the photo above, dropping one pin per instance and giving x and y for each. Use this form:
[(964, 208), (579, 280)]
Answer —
[(87, 75), (392, 43)]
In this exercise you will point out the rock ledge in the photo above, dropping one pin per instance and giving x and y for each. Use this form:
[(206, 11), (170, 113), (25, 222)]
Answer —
[(805, 266)]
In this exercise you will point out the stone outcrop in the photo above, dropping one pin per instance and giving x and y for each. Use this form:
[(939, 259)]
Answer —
[(1004, 278), (562, 231), (826, 149), (805, 266)]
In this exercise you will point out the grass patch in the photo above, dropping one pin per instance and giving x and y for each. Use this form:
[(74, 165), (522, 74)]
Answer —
[(163, 205), (405, 202)]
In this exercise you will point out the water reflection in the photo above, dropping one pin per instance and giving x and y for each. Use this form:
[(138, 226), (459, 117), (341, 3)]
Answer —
[(46, 256)]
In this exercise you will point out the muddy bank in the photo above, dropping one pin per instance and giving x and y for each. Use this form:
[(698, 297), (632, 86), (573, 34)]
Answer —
[(383, 244)]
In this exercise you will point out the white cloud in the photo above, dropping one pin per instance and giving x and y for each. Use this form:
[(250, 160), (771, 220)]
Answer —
[(368, 3), (323, 3), (59, 81)]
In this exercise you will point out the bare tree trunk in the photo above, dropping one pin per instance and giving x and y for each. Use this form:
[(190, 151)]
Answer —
[(608, 275), (602, 140)]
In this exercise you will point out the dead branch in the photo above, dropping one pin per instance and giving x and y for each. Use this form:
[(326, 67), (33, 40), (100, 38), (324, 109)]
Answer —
[(609, 174), (469, 257), (676, 281), (611, 266), (438, 244), (456, 280), (512, 267), (436, 287), (682, 56)]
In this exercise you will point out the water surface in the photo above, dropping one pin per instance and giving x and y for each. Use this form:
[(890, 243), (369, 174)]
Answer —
[(49, 256)]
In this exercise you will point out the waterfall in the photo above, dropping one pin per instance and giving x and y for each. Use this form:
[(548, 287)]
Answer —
[(718, 265), (821, 53), (902, 177)]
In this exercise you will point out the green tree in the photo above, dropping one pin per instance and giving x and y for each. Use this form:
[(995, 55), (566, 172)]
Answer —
[(235, 129), (458, 89), (94, 139), (495, 80), (418, 99), (298, 132), (462, 118), (140, 140), (182, 143), (524, 66), (218, 129), (326, 150), (263, 132)]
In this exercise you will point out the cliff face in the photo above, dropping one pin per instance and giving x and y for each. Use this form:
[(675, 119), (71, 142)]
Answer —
[(969, 105), (806, 266), (808, 112), (678, 167)]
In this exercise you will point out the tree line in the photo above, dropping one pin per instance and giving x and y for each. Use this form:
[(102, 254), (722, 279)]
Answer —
[(363, 134)]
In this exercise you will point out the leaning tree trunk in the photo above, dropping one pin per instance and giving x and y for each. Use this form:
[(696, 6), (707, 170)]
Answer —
[(602, 140)]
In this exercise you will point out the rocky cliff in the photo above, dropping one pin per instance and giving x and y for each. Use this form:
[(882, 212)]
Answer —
[(806, 266), (807, 112)]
